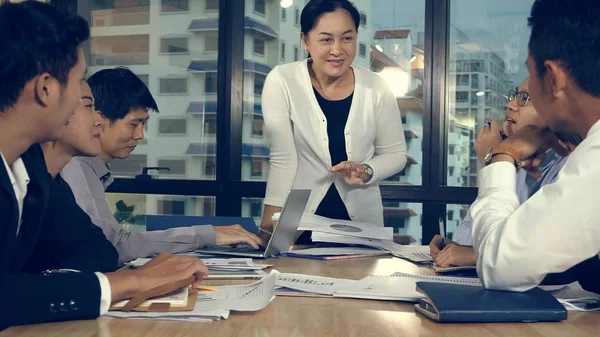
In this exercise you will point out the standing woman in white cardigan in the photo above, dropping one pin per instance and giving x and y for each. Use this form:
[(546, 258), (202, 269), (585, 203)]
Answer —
[(333, 128)]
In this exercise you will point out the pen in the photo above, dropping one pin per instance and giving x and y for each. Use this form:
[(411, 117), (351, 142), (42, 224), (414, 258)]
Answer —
[(442, 233)]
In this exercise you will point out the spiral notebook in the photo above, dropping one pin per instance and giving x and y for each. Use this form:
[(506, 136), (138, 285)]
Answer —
[(396, 287)]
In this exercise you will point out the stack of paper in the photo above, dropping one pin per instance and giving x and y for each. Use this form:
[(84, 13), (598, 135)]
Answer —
[(416, 254), (396, 287), (574, 297), (246, 297), (215, 304), (199, 314), (308, 285), (224, 268), (335, 253)]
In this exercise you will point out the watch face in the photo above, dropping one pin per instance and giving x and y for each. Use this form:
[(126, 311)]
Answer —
[(488, 157)]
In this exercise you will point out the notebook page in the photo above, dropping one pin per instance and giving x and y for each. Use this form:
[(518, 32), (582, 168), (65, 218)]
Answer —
[(396, 287)]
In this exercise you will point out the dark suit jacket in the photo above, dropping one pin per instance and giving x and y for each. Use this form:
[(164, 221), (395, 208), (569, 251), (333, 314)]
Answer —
[(69, 238), (33, 297)]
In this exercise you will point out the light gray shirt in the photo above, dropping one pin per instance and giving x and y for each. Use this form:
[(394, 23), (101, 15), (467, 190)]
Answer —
[(89, 178)]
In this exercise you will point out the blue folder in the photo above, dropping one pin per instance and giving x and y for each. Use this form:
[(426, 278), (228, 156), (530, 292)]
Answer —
[(455, 303)]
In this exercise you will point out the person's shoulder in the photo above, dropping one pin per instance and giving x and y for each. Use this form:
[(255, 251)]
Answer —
[(370, 79), (288, 71)]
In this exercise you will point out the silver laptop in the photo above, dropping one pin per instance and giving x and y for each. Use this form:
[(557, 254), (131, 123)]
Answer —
[(283, 235)]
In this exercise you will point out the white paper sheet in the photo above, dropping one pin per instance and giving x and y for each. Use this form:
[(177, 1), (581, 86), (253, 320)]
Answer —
[(199, 314), (321, 224), (418, 254), (233, 268), (247, 297), (309, 284), (335, 251)]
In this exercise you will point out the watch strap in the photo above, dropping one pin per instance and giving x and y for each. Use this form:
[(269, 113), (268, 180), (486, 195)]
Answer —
[(506, 150)]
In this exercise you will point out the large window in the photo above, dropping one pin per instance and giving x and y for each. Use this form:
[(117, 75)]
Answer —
[(448, 63), (488, 46), (178, 47)]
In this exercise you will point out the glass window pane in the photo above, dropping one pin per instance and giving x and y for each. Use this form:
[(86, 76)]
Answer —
[(175, 54), (454, 215), (405, 218), (488, 48), (252, 208), (390, 43), (134, 211)]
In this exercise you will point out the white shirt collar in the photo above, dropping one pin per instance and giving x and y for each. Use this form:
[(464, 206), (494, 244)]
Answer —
[(595, 128), (17, 173)]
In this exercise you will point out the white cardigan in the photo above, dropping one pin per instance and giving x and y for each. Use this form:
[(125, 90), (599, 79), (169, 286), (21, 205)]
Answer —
[(298, 141)]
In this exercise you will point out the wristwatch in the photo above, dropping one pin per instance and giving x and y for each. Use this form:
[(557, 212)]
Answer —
[(501, 149), (368, 172)]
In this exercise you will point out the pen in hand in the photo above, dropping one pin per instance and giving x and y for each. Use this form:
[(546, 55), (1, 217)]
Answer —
[(442, 234)]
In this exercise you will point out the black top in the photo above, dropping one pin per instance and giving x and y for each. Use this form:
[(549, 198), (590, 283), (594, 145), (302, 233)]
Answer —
[(336, 113)]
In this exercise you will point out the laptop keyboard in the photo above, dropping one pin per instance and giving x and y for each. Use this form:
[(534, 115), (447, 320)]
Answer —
[(241, 248)]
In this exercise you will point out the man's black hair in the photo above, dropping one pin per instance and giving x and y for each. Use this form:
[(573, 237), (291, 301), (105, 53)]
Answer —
[(117, 91), (36, 38), (568, 32)]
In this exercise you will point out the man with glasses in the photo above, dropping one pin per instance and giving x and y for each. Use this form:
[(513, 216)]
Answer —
[(519, 113)]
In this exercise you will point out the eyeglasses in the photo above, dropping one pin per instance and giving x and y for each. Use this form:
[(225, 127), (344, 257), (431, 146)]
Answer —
[(522, 97)]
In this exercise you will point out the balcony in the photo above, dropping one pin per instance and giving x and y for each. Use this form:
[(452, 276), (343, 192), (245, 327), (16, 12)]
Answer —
[(129, 16)]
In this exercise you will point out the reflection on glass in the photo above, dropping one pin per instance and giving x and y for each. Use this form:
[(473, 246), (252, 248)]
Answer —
[(252, 208), (488, 48), (405, 218), (454, 215), (135, 210), (175, 54)]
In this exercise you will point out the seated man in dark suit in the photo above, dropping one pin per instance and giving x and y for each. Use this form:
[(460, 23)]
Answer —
[(41, 68), (68, 232)]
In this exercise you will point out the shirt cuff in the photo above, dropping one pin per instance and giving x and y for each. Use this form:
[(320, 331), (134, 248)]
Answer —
[(105, 293), (497, 176), (206, 235)]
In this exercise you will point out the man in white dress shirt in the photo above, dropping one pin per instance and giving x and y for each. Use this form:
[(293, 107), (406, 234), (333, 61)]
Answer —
[(558, 228)]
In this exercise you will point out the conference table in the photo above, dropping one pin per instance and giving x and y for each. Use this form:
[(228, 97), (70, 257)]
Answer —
[(313, 317)]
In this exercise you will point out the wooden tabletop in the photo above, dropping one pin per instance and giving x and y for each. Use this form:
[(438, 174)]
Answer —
[(313, 317)]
